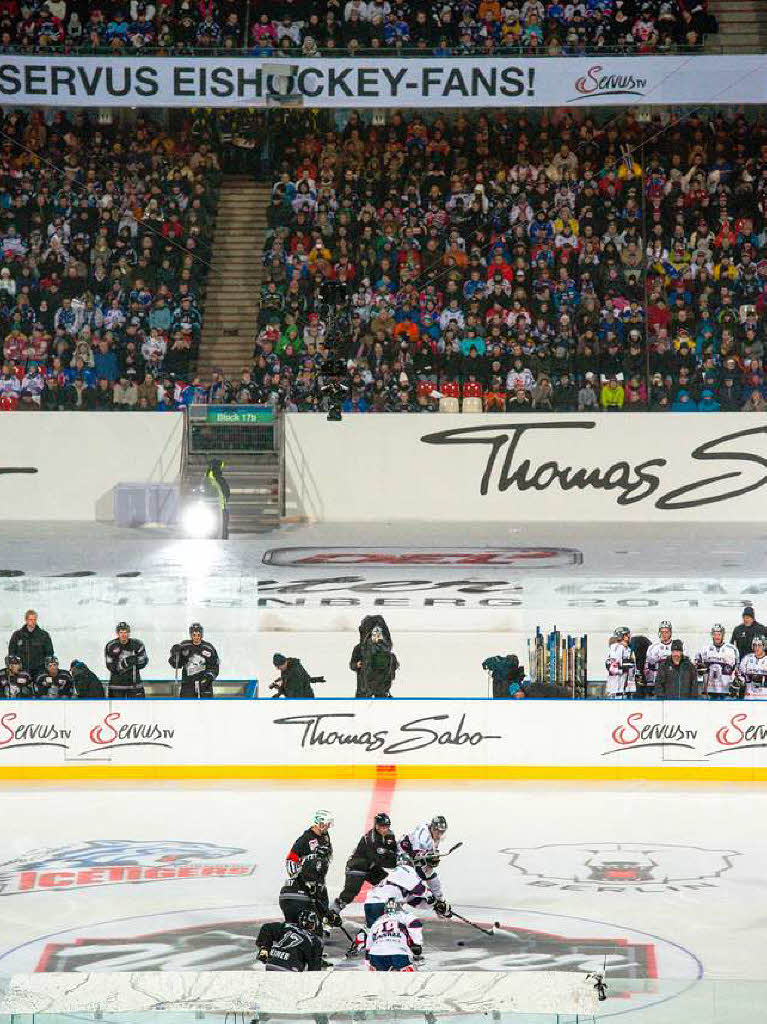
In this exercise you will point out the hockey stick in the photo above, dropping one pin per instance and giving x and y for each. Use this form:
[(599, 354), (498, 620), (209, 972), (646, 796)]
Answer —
[(451, 850), (479, 928)]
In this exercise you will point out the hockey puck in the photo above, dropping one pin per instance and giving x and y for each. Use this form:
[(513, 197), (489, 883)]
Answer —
[(460, 942)]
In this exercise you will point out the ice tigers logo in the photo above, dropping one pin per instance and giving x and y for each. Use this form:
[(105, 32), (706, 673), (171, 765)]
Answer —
[(615, 867), (102, 852), (116, 862)]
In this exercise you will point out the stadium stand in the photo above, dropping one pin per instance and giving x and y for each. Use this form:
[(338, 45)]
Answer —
[(565, 263), (295, 27), (105, 251)]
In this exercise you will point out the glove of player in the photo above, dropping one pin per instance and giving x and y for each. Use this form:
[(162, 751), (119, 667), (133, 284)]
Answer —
[(263, 955), (333, 918), (442, 909), (175, 652)]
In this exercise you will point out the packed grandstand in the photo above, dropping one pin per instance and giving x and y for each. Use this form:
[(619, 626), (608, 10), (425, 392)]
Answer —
[(296, 27), (512, 260)]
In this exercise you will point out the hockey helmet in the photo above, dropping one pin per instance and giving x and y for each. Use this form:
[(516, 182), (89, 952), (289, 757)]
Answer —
[(52, 660), (664, 624), (621, 631), (717, 628), (323, 818), (122, 627), (392, 905), (13, 659), (308, 920), (196, 628), (438, 823), (758, 641), (382, 820)]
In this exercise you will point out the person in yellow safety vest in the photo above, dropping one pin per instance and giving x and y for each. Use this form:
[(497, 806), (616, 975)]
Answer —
[(216, 485)]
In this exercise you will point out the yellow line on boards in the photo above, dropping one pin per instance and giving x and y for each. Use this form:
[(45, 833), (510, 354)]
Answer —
[(423, 772)]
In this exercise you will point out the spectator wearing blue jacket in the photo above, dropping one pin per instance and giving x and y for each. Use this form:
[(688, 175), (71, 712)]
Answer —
[(105, 362), (684, 403), (708, 402)]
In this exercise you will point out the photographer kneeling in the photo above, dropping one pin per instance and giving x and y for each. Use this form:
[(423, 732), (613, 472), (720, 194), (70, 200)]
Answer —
[(507, 675), (294, 681)]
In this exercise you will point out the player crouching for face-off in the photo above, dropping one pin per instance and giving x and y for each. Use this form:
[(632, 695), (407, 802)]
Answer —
[(292, 945), (394, 940)]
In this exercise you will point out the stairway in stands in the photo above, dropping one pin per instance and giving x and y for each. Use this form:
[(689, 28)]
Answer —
[(742, 26), (228, 337), (229, 325)]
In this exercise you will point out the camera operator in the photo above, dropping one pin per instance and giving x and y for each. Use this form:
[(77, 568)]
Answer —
[(294, 681), (332, 387)]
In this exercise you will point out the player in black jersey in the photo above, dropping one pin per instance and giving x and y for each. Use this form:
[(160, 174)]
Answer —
[(291, 946), (14, 681), (316, 839), (307, 891), (198, 661), (373, 856), (54, 683), (125, 656)]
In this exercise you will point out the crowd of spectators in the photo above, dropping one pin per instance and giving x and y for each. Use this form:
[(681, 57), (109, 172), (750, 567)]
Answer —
[(562, 262), (554, 27), (177, 26), (301, 27), (105, 247)]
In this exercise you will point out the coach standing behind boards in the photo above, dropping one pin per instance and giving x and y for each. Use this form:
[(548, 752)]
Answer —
[(743, 635), (32, 644)]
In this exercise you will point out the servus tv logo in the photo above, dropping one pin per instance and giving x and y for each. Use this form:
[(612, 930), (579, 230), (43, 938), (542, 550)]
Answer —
[(116, 861), (635, 734), (621, 867), (113, 732)]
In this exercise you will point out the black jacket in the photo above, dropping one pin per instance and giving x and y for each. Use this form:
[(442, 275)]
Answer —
[(88, 686), (33, 647), (296, 681), (742, 636), (676, 682)]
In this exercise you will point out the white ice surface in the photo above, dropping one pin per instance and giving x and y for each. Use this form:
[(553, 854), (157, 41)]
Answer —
[(699, 914)]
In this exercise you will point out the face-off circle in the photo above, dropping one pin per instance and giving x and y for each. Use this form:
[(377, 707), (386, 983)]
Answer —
[(224, 940)]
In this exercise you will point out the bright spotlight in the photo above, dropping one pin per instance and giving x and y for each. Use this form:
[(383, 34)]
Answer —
[(200, 519)]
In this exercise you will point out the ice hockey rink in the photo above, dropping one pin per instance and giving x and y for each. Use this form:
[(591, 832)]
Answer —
[(663, 884)]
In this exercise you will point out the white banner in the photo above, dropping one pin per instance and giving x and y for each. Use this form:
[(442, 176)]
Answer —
[(65, 465), (381, 82), (478, 734), (632, 467)]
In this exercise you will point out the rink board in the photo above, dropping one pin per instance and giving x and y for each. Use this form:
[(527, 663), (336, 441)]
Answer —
[(354, 739)]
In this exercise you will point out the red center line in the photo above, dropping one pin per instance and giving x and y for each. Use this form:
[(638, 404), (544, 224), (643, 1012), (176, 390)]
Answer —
[(380, 801)]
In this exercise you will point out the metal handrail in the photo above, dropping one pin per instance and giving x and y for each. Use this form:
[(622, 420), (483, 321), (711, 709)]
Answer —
[(380, 53)]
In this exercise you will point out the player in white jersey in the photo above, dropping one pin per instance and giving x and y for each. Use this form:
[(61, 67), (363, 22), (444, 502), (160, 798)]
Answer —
[(408, 883), (621, 666), (656, 653), (718, 661), (422, 846), (394, 940), (753, 670)]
